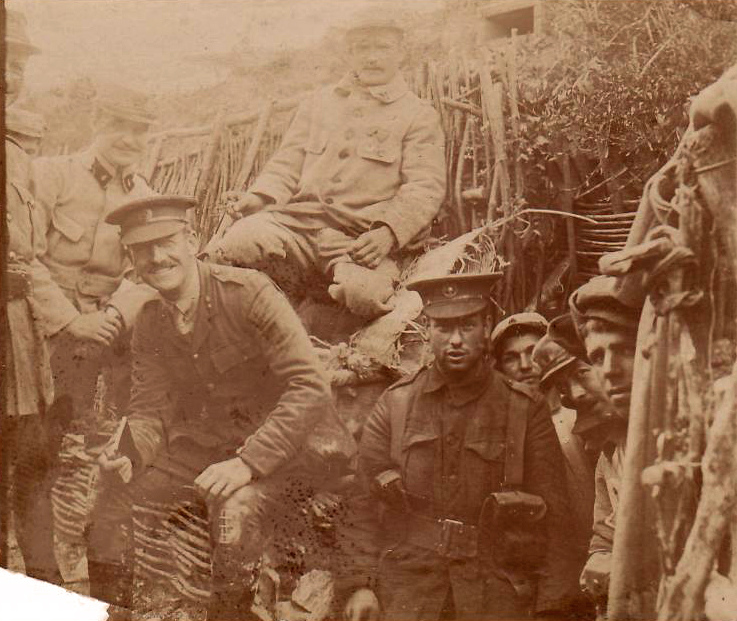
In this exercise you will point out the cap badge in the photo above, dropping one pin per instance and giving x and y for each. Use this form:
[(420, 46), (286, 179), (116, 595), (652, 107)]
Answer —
[(145, 216), (450, 291)]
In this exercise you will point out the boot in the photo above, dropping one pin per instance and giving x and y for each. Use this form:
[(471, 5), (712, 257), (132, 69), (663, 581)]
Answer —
[(230, 605), (112, 583)]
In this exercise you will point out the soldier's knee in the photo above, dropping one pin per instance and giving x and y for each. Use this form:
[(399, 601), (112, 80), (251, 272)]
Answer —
[(249, 241)]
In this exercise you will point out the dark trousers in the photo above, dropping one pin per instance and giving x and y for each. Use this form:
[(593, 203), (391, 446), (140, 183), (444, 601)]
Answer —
[(76, 366), (28, 460), (240, 528)]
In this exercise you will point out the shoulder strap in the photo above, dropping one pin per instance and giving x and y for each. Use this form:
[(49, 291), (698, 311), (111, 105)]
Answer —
[(516, 431), (398, 420)]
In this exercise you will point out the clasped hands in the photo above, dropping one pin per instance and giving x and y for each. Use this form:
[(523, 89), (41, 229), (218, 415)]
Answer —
[(102, 326)]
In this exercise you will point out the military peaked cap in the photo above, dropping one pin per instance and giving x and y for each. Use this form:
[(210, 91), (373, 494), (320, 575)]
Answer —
[(455, 295), (550, 357), (16, 32), (150, 218), (374, 22), (24, 122), (124, 103), (603, 298), (563, 331), (534, 321)]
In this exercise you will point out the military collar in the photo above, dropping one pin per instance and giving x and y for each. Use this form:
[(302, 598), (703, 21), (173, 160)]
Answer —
[(186, 308), (461, 392), (104, 172), (385, 93)]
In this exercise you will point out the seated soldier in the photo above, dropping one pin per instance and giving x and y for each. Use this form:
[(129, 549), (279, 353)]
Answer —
[(358, 179), (607, 324), (228, 393), (464, 502), (512, 342)]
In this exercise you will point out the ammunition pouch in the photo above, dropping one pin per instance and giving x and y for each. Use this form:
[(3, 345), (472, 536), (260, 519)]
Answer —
[(18, 283), (512, 522)]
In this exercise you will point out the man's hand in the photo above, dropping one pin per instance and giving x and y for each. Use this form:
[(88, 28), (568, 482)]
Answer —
[(240, 204), (363, 605), (109, 462), (373, 247), (595, 575), (220, 481), (101, 327)]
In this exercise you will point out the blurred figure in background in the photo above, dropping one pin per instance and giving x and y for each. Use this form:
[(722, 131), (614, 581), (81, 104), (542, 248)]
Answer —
[(31, 297), (25, 128), (98, 304)]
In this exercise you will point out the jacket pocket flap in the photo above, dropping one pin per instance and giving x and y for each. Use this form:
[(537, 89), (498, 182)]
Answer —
[(69, 228), (316, 143), (418, 438), (226, 357), (491, 450), (373, 150)]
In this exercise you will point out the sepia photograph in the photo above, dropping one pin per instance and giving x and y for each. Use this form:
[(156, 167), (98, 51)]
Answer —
[(369, 310)]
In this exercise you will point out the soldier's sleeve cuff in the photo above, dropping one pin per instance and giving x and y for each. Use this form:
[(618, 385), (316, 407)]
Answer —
[(270, 191)]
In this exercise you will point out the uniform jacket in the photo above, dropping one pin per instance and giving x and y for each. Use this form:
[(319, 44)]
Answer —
[(361, 156), (608, 481), (29, 382), (452, 459), (246, 376), (83, 252)]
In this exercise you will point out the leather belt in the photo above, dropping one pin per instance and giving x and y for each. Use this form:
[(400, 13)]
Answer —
[(451, 539), (18, 283)]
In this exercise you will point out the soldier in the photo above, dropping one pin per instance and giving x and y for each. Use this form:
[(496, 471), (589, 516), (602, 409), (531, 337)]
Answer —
[(84, 254), (512, 342), (228, 393), (461, 463), (607, 324), (357, 181), (580, 412), (25, 128), (31, 296)]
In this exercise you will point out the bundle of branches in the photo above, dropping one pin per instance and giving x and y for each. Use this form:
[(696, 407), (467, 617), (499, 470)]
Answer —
[(686, 217)]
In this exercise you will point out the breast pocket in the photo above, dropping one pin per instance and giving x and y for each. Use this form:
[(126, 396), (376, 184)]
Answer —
[(484, 465), (381, 152), (418, 458)]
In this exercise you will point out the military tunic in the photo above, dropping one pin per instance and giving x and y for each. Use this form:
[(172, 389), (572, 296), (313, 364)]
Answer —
[(354, 158), (89, 266), (245, 381), (452, 458), (31, 296), (83, 253)]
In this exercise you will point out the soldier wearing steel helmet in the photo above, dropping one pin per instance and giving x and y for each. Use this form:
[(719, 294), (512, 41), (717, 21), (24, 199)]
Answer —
[(448, 456)]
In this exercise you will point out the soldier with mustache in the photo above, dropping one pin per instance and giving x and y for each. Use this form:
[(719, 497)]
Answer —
[(84, 255), (355, 184)]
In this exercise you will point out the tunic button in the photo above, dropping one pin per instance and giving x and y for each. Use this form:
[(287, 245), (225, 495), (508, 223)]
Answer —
[(453, 478), (195, 356), (451, 440), (344, 153), (211, 387), (10, 217), (329, 200)]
